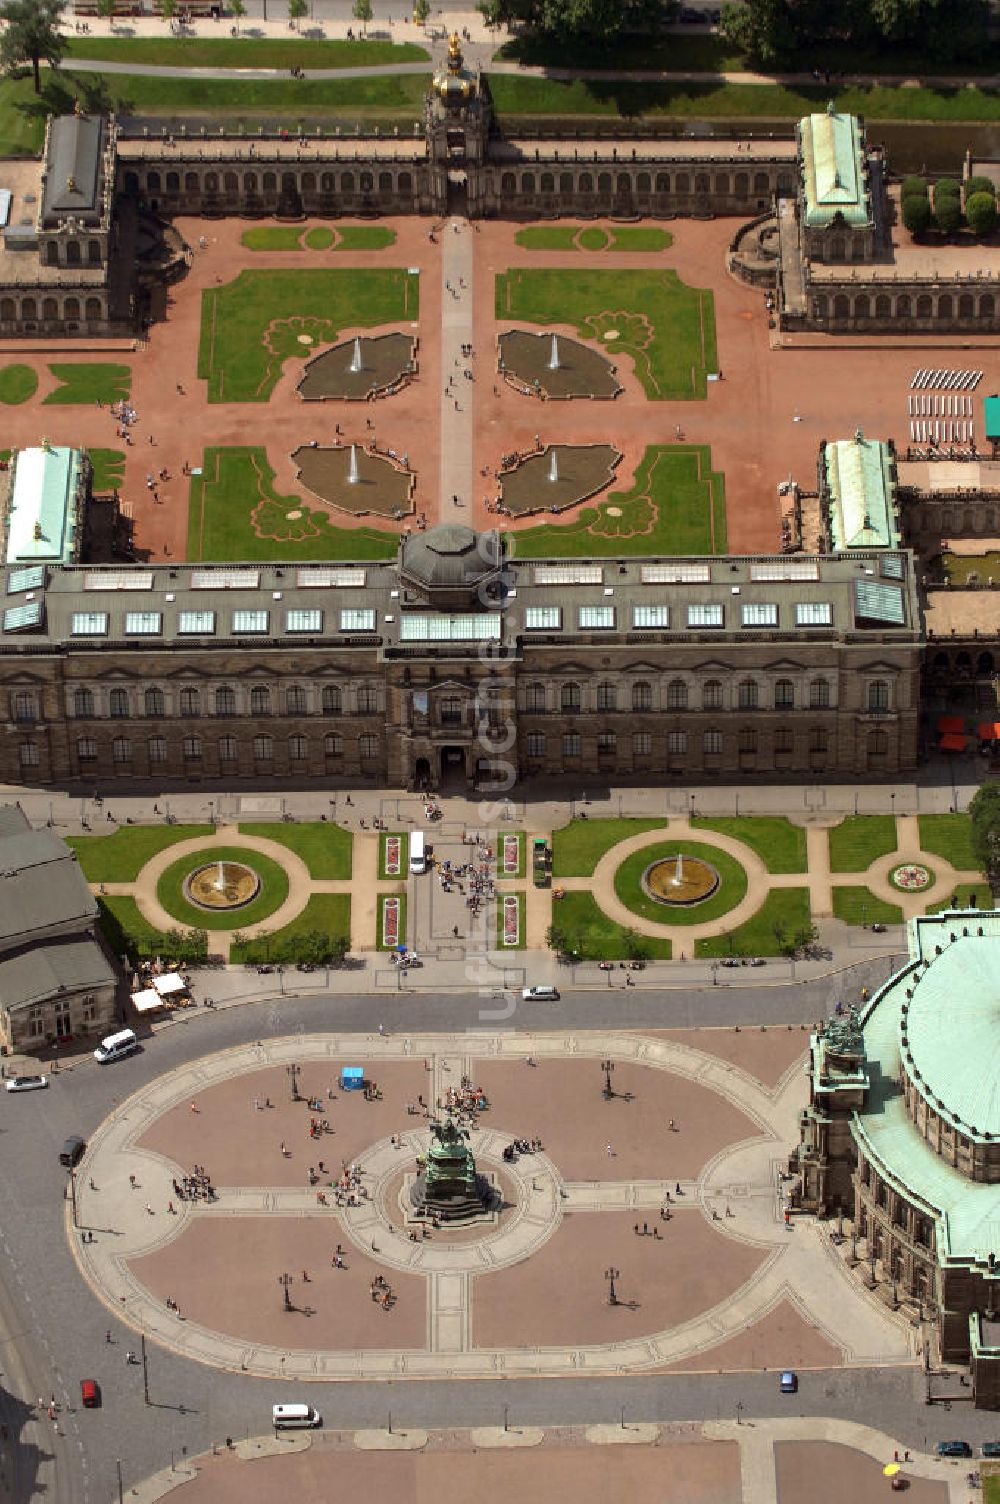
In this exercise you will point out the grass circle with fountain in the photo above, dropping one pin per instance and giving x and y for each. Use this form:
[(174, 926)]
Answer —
[(270, 895), (730, 890)]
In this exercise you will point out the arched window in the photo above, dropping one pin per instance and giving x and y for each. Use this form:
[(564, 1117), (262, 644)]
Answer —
[(569, 697), (118, 704), (944, 306), (784, 694), (191, 184), (965, 305), (711, 743), (607, 697), (819, 695), (83, 703), (508, 182), (604, 182), (229, 750), (711, 694), (333, 745), (862, 307), (784, 741), (250, 183), (156, 749), (263, 748), (607, 743), (260, 700), (677, 695), (643, 182), (50, 308), (986, 306), (154, 704), (308, 182), (642, 696), (368, 746), (153, 182), (230, 182), (93, 308), (71, 308), (903, 306), (367, 181), (173, 184), (29, 309), (566, 183), (547, 182), (121, 749), (527, 182), (663, 182), (8, 310), (298, 748), (326, 182), (295, 700), (878, 694), (535, 697), (211, 182), (271, 182), (924, 306), (190, 702), (586, 183), (225, 700), (747, 741), (332, 699), (405, 182), (748, 694)]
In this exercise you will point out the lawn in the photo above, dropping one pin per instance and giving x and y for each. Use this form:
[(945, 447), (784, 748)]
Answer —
[(251, 326), (968, 896), (404, 855), (318, 238), (17, 384), (578, 847), (127, 932), (519, 837), (273, 889), (949, 836), (571, 237), (731, 890), (88, 383), (379, 910), (860, 840), (243, 52), (677, 506), (325, 848), (520, 922), (121, 856), (235, 513), (780, 845), (991, 1488), (784, 908), (666, 327), (324, 913), (595, 937), (859, 905), (109, 468)]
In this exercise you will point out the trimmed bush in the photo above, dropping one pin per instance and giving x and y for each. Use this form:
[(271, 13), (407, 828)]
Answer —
[(947, 188), (981, 212), (979, 185), (913, 187), (948, 213), (916, 214)]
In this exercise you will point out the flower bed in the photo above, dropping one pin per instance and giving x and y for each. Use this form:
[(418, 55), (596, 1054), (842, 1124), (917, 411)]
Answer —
[(911, 877), (393, 855), (511, 856), (390, 923), (511, 918)]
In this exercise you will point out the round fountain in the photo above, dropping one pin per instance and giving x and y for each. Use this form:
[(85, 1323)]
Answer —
[(680, 880), (222, 885)]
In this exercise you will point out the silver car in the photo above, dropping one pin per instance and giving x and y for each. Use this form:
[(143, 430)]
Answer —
[(27, 1083)]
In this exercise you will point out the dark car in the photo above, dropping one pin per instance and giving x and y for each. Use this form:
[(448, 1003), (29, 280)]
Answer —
[(691, 17), (990, 1449), (90, 1393), (72, 1151), (953, 1449)]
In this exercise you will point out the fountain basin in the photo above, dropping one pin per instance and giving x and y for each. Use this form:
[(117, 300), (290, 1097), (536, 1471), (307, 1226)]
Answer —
[(525, 361), (221, 885), (387, 362), (369, 482), (560, 476), (680, 880)]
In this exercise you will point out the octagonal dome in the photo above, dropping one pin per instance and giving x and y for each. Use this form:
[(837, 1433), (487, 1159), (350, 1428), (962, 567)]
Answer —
[(451, 561)]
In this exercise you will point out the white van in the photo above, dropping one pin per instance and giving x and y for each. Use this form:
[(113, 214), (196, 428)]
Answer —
[(116, 1046), (294, 1417), (418, 853)]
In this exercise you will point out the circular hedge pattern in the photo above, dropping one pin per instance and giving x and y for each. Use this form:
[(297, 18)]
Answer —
[(273, 889), (731, 891), (319, 238), (17, 384), (911, 877)]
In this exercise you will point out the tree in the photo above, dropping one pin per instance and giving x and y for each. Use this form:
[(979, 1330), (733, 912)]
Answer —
[(578, 20), (760, 29), (421, 10), (916, 214), (981, 212), (979, 185), (168, 9), (984, 812), (947, 212), (31, 35), (106, 10), (296, 10), (361, 10), (236, 10), (913, 187)]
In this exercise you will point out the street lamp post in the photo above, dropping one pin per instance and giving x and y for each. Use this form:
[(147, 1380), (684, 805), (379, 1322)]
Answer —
[(145, 1367), (739, 1412), (284, 1280), (611, 1274), (121, 1495), (293, 1072), (607, 1066), (72, 1197)]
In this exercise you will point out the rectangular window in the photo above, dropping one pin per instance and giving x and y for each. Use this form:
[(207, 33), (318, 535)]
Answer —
[(542, 618), (31, 578), (263, 748), (89, 623), (706, 616), (650, 616), (677, 743), (357, 621), (226, 578), (118, 579), (191, 622), (712, 743), (675, 574), (86, 749), (250, 621), (642, 744), (157, 749), (29, 755), (228, 749), (569, 574), (192, 747), (748, 740), (121, 749), (297, 748), (607, 741), (590, 617), (304, 621), (572, 744), (759, 614), (536, 744), (783, 740), (22, 618), (785, 569), (368, 747), (329, 579), (143, 623), (813, 614)]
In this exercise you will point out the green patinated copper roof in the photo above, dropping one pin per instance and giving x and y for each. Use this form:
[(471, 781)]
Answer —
[(862, 493), (833, 171), (42, 522), (953, 1036)]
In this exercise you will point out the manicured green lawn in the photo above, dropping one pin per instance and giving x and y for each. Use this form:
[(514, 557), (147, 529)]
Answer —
[(858, 905), (572, 237), (677, 506), (519, 837), (89, 383), (325, 848), (325, 913), (273, 890), (360, 238), (235, 513), (251, 326), (780, 845), (379, 943), (17, 384), (272, 238), (787, 908), (520, 922), (731, 890), (968, 895), (404, 855), (244, 52), (991, 1488), (860, 840), (949, 836), (596, 937), (578, 847), (128, 933), (318, 237), (666, 327), (109, 468), (120, 857)]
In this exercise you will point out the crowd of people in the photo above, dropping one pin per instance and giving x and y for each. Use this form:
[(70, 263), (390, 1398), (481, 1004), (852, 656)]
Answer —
[(195, 1187)]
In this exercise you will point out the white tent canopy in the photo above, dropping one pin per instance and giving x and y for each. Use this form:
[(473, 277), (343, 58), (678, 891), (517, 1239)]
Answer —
[(146, 1002), (170, 985)]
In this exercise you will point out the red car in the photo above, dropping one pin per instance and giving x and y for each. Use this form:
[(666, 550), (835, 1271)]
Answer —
[(90, 1393)]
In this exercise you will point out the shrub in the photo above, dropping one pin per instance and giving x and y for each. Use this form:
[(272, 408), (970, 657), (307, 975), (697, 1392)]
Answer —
[(948, 213), (979, 185), (913, 187), (981, 212), (916, 214), (946, 188)]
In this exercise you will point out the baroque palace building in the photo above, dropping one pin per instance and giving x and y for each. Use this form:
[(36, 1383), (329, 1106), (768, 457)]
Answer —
[(88, 240), (902, 1131), (458, 662)]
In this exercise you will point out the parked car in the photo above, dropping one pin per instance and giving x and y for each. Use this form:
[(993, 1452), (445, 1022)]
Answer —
[(72, 1151), (540, 994), (90, 1394), (990, 1449), (691, 17), (953, 1449), (27, 1083), (789, 1382)]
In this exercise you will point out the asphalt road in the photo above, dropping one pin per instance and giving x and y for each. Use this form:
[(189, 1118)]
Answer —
[(53, 1330)]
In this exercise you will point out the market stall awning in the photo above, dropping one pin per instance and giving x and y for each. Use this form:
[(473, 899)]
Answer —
[(146, 1002), (170, 985), (951, 723), (953, 743), (988, 731)]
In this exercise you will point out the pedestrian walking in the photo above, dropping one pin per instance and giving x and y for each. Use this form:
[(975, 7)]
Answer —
[(194, 1106), (150, 1210), (132, 1182), (610, 1151)]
